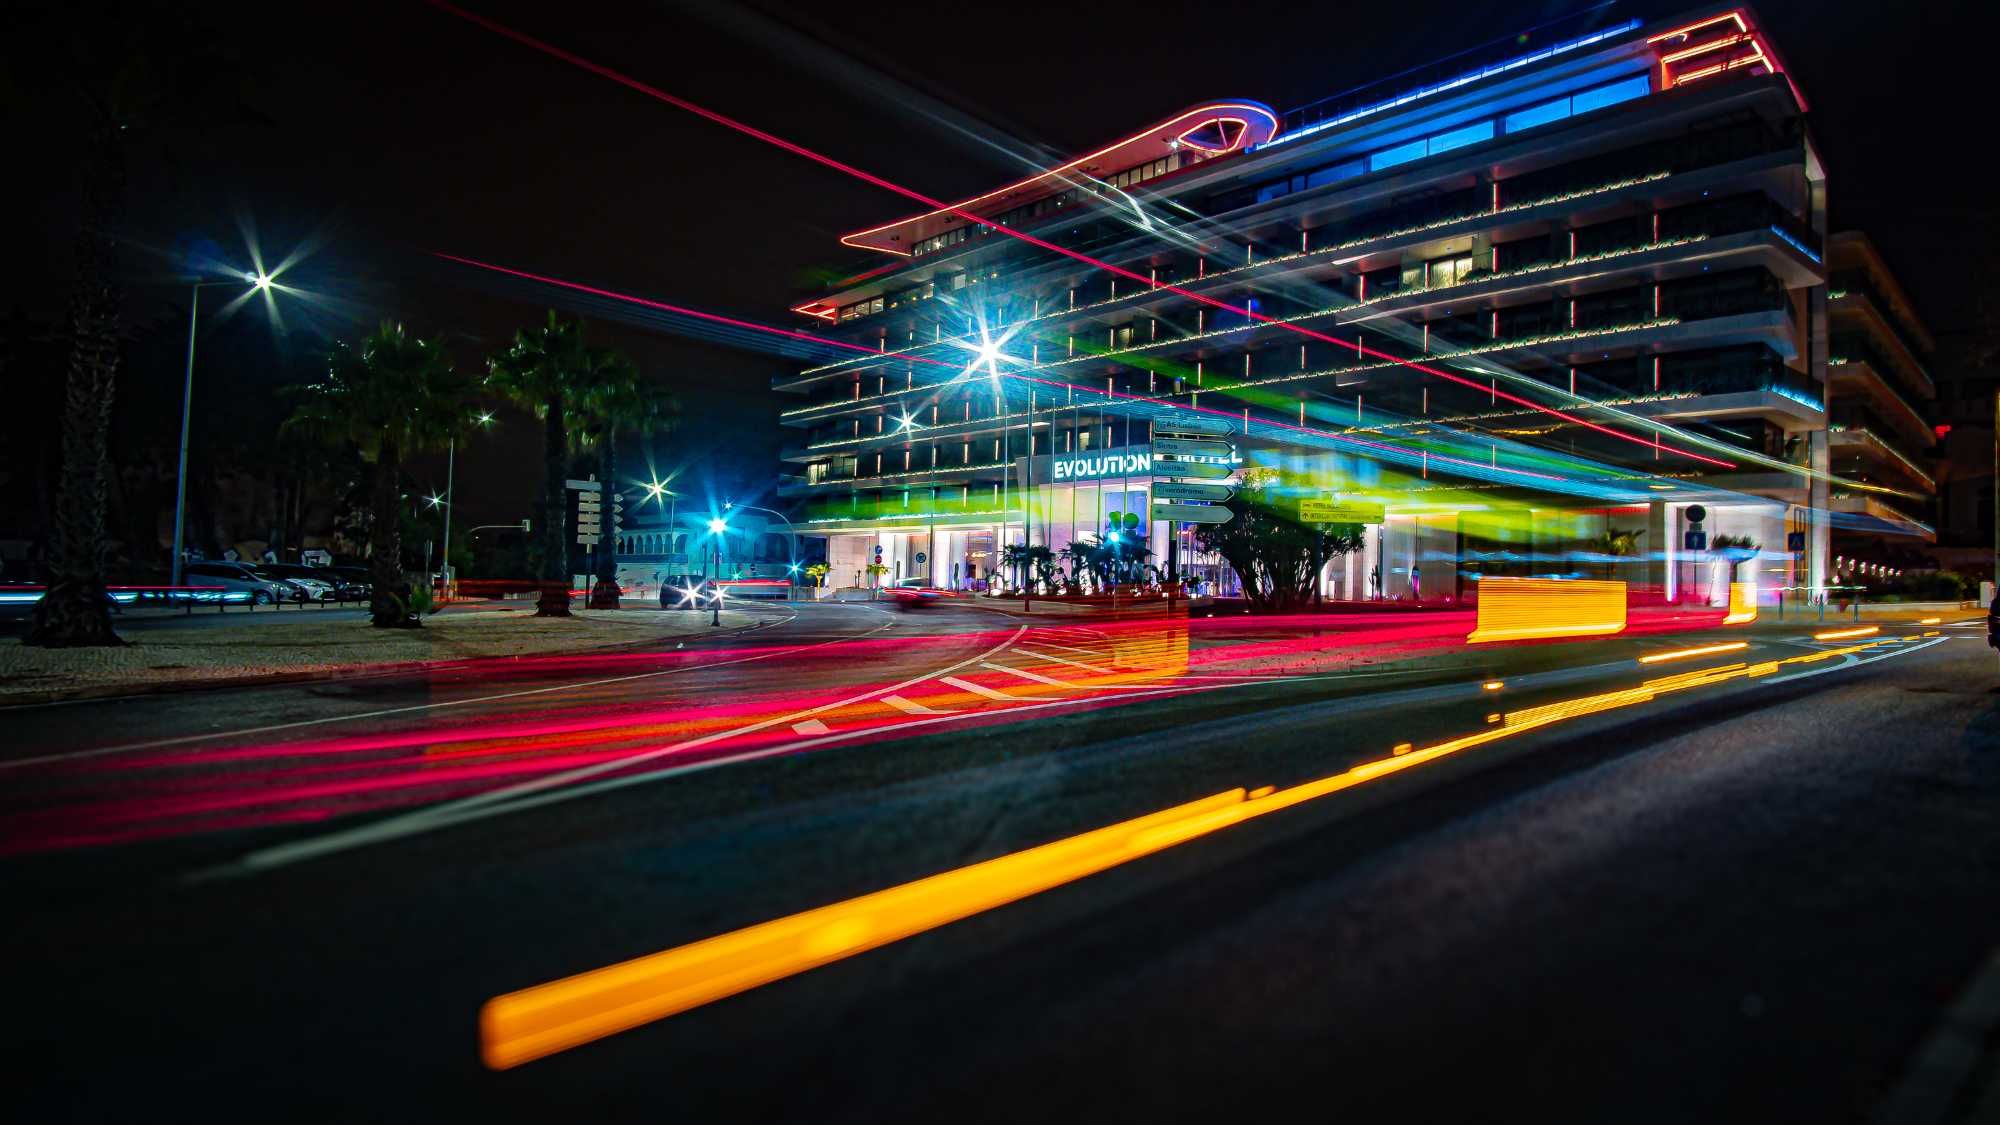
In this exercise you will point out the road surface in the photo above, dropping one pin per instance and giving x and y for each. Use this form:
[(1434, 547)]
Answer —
[(1740, 885)]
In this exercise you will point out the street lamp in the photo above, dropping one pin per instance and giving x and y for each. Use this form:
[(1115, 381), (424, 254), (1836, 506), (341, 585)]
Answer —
[(655, 489), (716, 527), (450, 498), (258, 281)]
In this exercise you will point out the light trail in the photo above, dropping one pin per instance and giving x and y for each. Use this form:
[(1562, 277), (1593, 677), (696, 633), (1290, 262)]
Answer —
[(1704, 650), (532, 1023), (1844, 634), (868, 177), (1381, 448)]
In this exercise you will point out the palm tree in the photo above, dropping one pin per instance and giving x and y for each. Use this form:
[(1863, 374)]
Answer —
[(397, 395), (543, 371), (616, 398), (128, 72)]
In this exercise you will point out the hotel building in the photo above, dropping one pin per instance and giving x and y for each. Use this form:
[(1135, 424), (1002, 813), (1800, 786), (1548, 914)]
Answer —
[(1880, 407), (1542, 306)]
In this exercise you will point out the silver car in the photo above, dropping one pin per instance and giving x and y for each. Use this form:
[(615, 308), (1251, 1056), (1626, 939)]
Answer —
[(238, 577)]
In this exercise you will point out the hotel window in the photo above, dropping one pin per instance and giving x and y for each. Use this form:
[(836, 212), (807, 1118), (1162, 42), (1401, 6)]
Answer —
[(1447, 271)]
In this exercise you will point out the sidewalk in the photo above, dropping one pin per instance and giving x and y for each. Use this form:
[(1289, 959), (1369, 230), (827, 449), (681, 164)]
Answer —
[(167, 655)]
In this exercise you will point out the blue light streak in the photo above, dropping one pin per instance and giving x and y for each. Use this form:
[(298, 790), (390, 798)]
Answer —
[(1454, 83)]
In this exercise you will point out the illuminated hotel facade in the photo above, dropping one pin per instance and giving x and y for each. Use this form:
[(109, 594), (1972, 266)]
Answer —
[(1539, 309)]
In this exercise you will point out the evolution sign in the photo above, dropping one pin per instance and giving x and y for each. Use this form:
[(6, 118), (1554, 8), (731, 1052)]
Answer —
[(1096, 466)]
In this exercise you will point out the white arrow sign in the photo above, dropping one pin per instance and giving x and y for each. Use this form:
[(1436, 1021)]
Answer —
[(1176, 490), (1200, 470), (1190, 447), (1192, 513)]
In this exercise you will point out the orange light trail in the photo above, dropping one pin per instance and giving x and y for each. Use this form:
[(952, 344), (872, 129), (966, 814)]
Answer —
[(1704, 650), (532, 1023), (1843, 634)]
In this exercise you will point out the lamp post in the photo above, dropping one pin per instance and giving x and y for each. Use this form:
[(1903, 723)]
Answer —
[(260, 281), (716, 528), (450, 500), (655, 490)]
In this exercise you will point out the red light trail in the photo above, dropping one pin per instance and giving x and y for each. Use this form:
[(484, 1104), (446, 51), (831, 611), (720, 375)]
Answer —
[(727, 122), (1053, 383)]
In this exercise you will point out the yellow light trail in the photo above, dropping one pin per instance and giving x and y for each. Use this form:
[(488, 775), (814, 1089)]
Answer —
[(1704, 650), (520, 1027), (1843, 634)]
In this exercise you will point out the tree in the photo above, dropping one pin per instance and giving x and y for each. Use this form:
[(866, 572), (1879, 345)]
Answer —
[(395, 396), (544, 371), (817, 572), (129, 71), (616, 398), (1616, 545), (1276, 557)]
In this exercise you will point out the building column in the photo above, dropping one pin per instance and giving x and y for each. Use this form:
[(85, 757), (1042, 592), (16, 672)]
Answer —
[(1659, 547), (1819, 544)]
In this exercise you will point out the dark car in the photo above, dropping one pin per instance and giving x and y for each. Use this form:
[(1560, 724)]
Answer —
[(688, 591), (352, 583)]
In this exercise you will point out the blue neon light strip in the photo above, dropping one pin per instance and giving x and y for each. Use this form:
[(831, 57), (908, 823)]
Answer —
[(1455, 83), (1795, 244), (1799, 397)]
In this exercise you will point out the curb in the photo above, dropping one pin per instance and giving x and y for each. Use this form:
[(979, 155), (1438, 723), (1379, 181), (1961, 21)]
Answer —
[(1940, 1082), (322, 675)]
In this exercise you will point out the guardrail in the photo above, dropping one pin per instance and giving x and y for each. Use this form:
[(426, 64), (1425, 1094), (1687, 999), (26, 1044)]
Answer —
[(221, 597)]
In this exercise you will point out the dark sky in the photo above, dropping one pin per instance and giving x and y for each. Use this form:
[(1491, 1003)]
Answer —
[(387, 129)]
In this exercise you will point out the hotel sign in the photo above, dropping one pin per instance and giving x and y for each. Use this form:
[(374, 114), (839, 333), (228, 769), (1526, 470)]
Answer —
[(1097, 466)]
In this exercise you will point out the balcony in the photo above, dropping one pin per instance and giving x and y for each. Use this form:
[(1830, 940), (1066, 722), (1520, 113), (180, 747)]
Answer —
[(1855, 370)]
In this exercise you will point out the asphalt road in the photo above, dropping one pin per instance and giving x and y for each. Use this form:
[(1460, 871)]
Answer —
[(1743, 896)]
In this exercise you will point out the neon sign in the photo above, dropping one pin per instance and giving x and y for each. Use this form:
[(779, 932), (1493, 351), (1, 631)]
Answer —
[(1100, 466)]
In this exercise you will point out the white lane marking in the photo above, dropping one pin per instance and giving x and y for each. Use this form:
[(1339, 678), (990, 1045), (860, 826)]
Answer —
[(286, 854), (223, 736), (911, 708), (1098, 668), (445, 817), (976, 689), (432, 816), (1037, 677), (1069, 648), (1851, 661), (810, 726)]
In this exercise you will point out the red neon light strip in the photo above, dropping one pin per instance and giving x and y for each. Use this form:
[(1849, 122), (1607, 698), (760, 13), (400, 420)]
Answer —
[(1057, 384), (868, 177), (662, 305)]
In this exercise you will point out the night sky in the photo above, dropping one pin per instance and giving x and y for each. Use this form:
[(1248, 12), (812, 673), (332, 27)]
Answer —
[(378, 131)]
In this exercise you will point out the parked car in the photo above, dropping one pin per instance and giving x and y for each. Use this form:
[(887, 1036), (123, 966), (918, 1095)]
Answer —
[(352, 583), (688, 591), (237, 576), (315, 585)]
